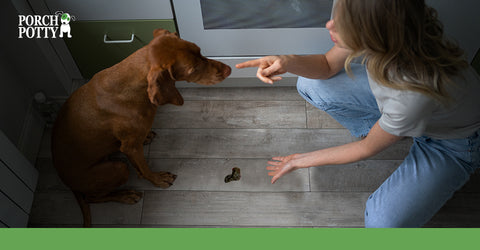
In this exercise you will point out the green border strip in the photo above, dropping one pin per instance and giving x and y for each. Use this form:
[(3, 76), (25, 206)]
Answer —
[(245, 239)]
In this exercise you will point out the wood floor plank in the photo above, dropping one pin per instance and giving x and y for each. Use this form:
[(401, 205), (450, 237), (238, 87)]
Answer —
[(195, 174), (462, 211), (253, 143), (317, 118), (363, 176), (473, 185), (61, 208), (241, 94), (209, 175), (242, 143), (306, 209), (232, 114)]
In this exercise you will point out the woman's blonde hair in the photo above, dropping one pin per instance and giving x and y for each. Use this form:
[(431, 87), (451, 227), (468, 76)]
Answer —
[(402, 44)]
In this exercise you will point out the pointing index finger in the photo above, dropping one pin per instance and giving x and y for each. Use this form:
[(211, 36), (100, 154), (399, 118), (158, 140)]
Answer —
[(247, 64)]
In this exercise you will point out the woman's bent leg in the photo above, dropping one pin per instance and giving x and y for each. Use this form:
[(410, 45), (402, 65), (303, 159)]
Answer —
[(349, 101), (424, 182)]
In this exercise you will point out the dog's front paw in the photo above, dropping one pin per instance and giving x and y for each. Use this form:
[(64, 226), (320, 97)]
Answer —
[(163, 179)]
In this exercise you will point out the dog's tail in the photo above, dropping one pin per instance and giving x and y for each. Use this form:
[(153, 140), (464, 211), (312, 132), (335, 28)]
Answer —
[(85, 207)]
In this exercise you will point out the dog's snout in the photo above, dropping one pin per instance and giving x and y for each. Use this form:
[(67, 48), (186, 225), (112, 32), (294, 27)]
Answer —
[(227, 71)]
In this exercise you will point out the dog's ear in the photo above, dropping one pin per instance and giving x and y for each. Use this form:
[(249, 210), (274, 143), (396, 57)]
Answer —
[(161, 51), (161, 88), (160, 32)]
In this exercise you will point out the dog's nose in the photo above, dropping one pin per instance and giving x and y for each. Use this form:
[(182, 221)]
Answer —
[(227, 71)]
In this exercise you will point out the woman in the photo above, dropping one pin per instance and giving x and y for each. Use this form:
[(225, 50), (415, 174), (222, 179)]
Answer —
[(416, 84)]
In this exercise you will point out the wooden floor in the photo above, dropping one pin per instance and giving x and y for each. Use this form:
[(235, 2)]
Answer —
[(221, 128)]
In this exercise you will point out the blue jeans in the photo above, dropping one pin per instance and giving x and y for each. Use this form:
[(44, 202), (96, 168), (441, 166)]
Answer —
[(428, 177)]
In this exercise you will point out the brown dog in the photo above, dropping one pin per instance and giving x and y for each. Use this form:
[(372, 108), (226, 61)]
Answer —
[(114, 113)]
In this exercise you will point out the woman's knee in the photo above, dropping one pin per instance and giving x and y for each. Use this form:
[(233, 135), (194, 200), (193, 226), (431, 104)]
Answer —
[(304, 86), (376, 220), (394, 212), (376, 217), (313, 91)]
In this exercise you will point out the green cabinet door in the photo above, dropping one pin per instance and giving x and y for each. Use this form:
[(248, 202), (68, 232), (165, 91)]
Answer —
[(96, 45)]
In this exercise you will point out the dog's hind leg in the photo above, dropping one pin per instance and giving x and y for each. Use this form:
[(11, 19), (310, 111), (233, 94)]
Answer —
[(122, 196), (98, 185)]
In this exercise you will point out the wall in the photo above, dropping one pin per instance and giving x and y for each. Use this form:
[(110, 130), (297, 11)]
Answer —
[(24, 70), (461, 20)]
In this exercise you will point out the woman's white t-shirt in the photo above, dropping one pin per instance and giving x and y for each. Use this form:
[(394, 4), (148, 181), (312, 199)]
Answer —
[(409, 113)]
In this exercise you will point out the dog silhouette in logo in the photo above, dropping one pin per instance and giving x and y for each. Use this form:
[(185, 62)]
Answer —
[(65, 23)]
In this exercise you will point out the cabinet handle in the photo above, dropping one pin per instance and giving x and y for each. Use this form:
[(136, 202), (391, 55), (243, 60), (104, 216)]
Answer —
[(117, 41)]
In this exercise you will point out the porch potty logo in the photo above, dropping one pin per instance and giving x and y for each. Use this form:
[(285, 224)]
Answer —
[(46, 26)]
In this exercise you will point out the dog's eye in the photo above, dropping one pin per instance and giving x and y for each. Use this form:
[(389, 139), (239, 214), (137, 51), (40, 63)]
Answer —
[(190, 70)]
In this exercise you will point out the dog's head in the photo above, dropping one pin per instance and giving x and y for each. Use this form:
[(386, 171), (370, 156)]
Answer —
[(173, 59), (65, 18)]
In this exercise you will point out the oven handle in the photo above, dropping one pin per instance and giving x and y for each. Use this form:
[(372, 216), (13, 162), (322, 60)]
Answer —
[(118, 41)]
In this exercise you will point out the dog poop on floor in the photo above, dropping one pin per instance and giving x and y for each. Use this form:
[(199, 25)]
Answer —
[(235, 176)]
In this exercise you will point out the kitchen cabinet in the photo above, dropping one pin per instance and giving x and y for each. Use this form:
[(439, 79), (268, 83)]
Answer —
[(104, 32), (96, 45)]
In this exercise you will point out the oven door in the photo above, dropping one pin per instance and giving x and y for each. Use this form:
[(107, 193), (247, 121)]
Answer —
[(233, 31)]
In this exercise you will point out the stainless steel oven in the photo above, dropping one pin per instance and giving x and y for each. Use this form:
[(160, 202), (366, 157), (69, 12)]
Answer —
[(237, 30)]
